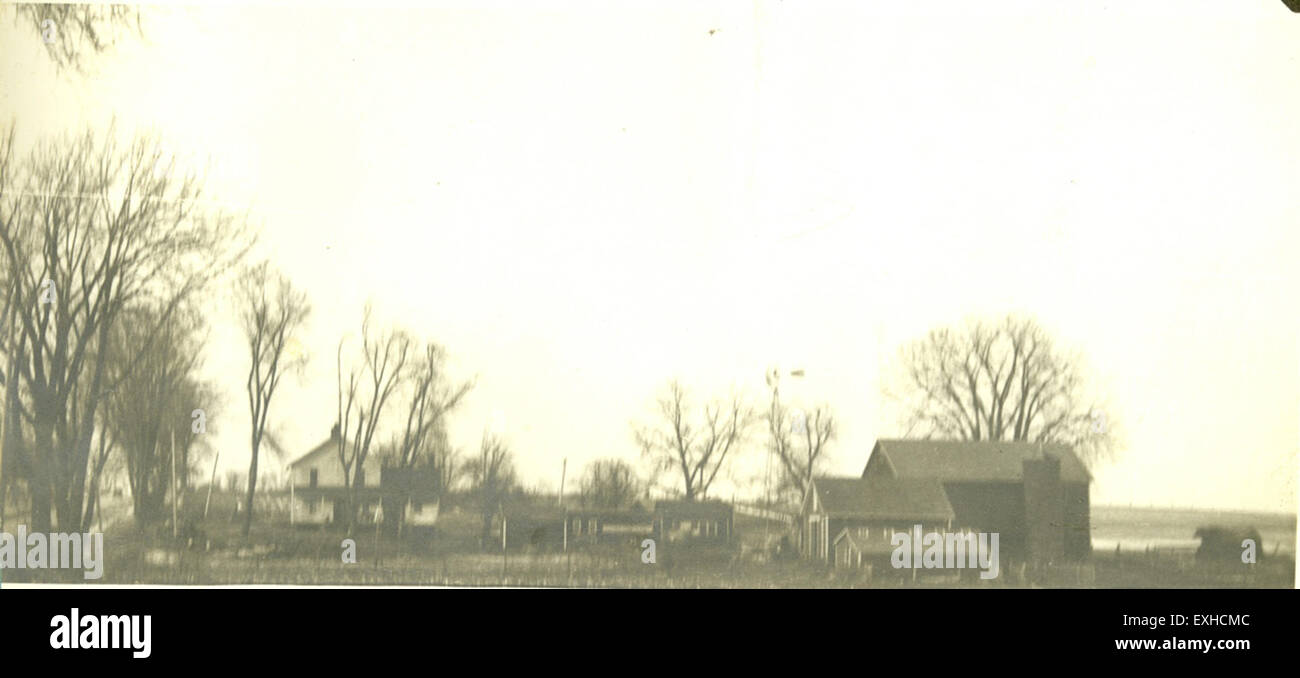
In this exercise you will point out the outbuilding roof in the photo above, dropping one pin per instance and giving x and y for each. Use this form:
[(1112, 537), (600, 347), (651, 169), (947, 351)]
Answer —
[(883, 498)]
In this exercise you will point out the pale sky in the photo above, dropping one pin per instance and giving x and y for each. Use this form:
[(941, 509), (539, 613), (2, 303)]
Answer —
[(583, 200)]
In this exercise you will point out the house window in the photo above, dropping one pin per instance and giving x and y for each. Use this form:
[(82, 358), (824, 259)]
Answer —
[(312, 477)]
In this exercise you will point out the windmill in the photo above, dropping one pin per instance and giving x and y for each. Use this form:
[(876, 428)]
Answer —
[(773, 379)]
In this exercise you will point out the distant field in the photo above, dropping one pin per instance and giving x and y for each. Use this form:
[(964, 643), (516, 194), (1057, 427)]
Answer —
[(1136, 529)]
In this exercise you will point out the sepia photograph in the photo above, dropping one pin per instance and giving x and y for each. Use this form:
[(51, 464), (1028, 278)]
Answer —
[(648, 295)]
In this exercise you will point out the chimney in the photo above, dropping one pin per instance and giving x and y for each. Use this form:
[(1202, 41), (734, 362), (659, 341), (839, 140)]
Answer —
[(334, 432)]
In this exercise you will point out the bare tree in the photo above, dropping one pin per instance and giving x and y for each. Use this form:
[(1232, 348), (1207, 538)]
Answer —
[(798, 440), (11, 349), (432, 397), (1003, 381), (696, 451), (272, 312), (71, 32), (363, 397), (609, 483), (88, 229), (150, 408), (492, 480)]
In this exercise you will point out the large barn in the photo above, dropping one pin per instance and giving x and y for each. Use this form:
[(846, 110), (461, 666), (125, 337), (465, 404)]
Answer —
[(1036, 497)]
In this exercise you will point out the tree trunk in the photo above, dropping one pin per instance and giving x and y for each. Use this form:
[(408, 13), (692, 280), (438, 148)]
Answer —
[(252, 488), (12, 440), (89, 518), (40, 490), (40, 493)]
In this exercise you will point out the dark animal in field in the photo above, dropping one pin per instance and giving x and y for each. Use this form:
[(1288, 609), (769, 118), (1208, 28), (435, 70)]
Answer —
[(1227, 544)]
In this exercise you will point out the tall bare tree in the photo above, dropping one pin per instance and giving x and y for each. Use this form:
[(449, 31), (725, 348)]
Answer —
[(150, 408), (362, 398), (799, 441), (1002, 381), (272, 311), (432, 397), (88, 229), (694, 450)]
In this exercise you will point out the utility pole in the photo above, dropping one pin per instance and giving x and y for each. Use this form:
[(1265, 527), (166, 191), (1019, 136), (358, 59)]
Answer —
[(379, 519), (213, 481), (564, 467)]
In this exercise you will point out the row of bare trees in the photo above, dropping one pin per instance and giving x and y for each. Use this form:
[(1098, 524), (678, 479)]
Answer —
[(107, 251), (693, 443), (390, 366), (1006, 381), (387, 374)]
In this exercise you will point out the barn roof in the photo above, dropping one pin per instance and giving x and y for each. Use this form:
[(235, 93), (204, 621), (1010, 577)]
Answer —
[(987, 461), (883, 498)]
